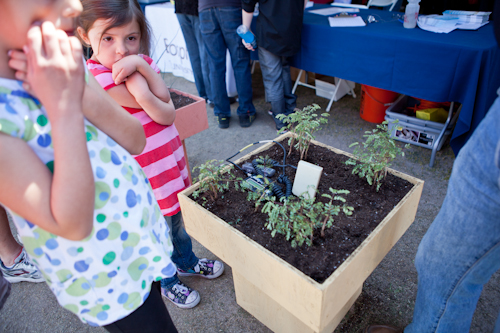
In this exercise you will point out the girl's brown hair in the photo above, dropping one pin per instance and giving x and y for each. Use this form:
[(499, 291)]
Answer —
[(118, 12)]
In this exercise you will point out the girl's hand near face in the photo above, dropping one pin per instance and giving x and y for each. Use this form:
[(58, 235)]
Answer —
[(55, 69), (98, 107), (125, 67), (63, 202), (146, 87)]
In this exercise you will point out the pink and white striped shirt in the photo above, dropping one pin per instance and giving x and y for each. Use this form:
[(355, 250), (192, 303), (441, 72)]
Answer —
[(163, 159)]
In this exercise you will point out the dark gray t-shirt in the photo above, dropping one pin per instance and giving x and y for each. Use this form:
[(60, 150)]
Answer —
[(4, 290), (204, 4)]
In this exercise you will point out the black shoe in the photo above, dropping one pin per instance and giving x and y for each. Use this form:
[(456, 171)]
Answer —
[(247, 120), (224, 121), (210, 103), (232, 100)]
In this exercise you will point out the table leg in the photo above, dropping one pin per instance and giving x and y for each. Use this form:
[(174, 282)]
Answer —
[(187, 162), (297, 81)]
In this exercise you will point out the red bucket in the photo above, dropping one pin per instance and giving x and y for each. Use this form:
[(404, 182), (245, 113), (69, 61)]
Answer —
[(374, 102)]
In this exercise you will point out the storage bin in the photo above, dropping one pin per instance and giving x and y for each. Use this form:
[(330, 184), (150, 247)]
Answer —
[(419, 132), (416, 135)]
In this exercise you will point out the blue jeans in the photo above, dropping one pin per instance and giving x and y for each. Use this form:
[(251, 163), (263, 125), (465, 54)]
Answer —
[(218, 28), (183, 255), (190, 26), (278, 84), (461, 249)]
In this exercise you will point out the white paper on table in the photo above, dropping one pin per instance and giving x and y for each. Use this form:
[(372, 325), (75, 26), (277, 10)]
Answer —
[(350, 21), (333, 10), (437, 23)]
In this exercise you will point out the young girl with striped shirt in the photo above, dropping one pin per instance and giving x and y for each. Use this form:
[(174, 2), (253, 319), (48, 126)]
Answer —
[(118, 34)]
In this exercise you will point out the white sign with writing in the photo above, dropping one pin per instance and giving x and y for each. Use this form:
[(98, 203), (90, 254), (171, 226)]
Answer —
[(168, 48)]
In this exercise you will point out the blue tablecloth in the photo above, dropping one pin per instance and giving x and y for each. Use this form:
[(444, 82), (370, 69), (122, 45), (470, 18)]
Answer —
[(462, 66)]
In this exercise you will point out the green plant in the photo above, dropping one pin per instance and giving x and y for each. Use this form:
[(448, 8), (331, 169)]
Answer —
[(214, 178), (375, 155), (297, 219), (304, 123)]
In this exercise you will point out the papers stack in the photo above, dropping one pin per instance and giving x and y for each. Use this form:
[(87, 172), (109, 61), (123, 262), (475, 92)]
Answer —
[(453, 19), (468, 17)]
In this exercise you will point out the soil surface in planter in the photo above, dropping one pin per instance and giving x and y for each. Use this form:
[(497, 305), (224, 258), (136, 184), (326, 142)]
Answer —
[(326, 254), (180, 100)]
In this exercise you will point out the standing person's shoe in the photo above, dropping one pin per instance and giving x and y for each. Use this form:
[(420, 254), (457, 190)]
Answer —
[(247, 120), (181, 295), (223, 121), (208, 269), (233, 100), (23, 270)]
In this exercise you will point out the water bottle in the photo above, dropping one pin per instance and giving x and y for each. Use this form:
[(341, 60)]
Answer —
[(247, 35), (411, 14)]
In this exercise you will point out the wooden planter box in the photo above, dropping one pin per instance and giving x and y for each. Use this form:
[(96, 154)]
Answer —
[(276, 293), (189, 120), (192, 118)]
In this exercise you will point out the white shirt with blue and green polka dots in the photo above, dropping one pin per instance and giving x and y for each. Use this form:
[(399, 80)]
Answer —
[(108, 275)]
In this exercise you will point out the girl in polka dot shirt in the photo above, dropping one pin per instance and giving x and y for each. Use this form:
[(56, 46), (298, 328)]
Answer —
[(82, 205), (118, 34)]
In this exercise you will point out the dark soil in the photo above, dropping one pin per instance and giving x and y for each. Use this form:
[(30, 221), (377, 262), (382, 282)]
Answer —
[(180, 100), (321, 259)]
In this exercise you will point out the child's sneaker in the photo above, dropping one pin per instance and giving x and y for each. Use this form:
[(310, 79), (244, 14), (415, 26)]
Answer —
[(208, 269), (23, 270), (181, 295)]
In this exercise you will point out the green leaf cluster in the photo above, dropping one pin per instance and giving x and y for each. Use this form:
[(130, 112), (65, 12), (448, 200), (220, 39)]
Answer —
[(375, 155), (214, 178), (304, 123), (298, 219)]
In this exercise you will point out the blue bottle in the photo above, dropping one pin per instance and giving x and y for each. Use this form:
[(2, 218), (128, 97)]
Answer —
[(247, 35)]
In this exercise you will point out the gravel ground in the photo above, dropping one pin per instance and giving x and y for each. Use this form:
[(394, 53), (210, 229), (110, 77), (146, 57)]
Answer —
[(388, 294)]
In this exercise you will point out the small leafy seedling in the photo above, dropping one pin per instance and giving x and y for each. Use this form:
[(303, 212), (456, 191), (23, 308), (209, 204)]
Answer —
[(214, 177), (375, 155), (297, 219), (304, 123)]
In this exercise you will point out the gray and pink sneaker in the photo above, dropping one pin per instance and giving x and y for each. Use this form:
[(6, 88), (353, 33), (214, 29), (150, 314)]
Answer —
[(205, 268), (181, 295)]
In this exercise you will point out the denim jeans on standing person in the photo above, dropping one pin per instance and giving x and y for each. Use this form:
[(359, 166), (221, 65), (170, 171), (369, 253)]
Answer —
[(461, 249), (183, 255), (277, 83), (218, 27), (190, 26)]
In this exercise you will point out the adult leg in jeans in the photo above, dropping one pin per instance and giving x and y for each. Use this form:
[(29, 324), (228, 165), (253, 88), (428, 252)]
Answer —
[(151, 317), (190, 28), (278, 84), (461, 249), (204, 59), (183, 255), (229, 20), (215, 47), (290, 99)]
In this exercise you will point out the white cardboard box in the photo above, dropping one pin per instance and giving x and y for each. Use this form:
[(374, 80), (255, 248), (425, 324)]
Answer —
[(326, 89)]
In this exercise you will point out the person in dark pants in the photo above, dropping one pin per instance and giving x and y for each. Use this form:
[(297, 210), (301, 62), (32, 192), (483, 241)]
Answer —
[(219, 20), (461, 250), (278, 33), (187, 15)]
